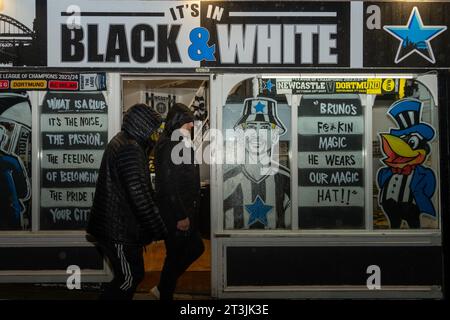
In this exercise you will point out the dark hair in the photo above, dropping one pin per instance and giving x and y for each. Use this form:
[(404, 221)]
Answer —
[(178, 115), (140, 121)]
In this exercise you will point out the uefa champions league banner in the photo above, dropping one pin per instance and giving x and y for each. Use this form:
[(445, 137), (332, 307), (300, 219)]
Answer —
[(52, 81), (204, 35)]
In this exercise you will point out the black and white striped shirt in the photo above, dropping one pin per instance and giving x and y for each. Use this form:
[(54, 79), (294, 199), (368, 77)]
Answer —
[(241, 190)]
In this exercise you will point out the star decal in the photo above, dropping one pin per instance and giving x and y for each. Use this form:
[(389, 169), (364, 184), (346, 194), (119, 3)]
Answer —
[(269, 85), (258, 211), (415, 37), (259, 107)]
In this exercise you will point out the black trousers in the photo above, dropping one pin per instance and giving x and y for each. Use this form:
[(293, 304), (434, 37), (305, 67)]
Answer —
[(182, 249), (127, 264), (397, 211)]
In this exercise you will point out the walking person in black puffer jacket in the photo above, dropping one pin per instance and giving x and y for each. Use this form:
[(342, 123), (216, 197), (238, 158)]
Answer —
[(124, 217), (178, 197)]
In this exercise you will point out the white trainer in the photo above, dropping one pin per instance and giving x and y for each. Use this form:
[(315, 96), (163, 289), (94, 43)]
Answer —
[(155, 292)]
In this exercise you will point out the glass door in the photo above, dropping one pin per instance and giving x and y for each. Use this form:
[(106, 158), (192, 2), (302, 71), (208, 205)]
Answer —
[(160, 93)]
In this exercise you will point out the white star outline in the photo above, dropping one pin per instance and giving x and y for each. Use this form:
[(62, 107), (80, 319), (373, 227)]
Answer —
[(419, 19)]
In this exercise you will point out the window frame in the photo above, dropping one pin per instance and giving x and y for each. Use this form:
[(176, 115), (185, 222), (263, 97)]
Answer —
[(227, 81)]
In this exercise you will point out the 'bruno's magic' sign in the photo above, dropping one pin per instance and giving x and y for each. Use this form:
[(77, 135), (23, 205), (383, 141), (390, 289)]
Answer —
[(228, 34), (331, 165)]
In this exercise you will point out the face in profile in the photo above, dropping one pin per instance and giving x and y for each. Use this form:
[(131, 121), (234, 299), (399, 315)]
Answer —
[(186, 129)]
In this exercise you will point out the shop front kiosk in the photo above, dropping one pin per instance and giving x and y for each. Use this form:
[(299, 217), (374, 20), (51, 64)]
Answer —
[(336, 234)]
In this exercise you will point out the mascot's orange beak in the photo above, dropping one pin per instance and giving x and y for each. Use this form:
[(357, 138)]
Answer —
[(399, 154)]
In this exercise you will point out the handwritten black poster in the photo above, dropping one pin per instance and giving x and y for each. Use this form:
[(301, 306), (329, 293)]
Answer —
[(330, 161), (74, 130)]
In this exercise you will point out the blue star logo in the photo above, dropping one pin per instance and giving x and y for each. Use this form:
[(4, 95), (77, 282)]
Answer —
[(269, 85), (259, 107), (258, 211), (415, 37)]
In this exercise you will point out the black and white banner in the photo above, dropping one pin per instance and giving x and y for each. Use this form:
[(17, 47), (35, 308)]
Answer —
[(203, 35)]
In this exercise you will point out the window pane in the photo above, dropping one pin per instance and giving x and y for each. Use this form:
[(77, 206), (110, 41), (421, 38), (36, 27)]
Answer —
[(405, 144), (74, 130), (256, 170), (15, 161), (331, 162)]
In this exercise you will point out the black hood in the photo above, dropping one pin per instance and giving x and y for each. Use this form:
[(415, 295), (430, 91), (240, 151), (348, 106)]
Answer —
[(140, 122), (178, 115)]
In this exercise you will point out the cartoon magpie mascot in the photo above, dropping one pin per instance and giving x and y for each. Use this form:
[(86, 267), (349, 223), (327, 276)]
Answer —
[(406, 185)]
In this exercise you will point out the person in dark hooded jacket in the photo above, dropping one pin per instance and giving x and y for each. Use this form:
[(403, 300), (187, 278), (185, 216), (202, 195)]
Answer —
[(124, 217), (178, 197)]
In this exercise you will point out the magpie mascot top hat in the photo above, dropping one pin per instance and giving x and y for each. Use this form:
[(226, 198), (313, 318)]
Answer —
[(407, 113), (406, 184)]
